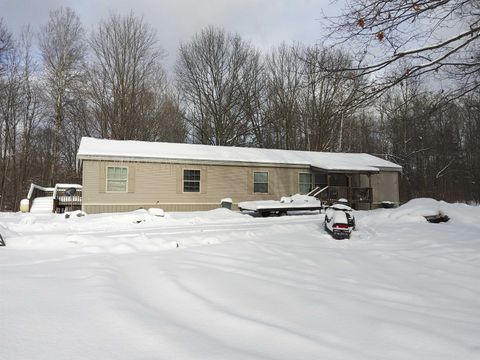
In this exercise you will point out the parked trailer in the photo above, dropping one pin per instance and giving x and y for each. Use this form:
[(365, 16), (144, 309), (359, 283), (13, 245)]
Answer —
[(273, 207)]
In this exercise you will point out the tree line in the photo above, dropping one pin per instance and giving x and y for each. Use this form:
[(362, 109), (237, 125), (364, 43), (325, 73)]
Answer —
[(60, 83)]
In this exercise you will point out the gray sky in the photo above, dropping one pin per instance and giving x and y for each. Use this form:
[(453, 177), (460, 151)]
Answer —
[(265, 23)]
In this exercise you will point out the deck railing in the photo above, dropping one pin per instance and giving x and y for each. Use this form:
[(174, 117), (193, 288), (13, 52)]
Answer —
[(61, 201), (354, 195), (68, 202)]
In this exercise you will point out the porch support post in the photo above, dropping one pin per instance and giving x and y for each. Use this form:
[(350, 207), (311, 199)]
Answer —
[(371, 190), (349, 189)]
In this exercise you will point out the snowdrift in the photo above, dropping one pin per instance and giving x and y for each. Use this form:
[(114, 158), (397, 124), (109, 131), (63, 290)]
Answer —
[(222, 285), (416, 210)]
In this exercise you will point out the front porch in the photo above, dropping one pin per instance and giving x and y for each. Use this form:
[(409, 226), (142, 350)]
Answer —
[(356, 187)]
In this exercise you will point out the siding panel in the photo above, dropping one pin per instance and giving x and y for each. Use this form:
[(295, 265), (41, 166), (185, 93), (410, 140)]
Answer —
[(131, 177), (102, 174)]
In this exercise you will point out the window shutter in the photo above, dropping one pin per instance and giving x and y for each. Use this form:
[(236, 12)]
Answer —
[(101, 177), (179, 179), (131, 178), (203, 180), (249, 173), (270, 183)]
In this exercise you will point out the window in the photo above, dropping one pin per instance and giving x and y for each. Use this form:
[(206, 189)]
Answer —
[(191, 180), (260, 182), (117, 178), (304, 183)]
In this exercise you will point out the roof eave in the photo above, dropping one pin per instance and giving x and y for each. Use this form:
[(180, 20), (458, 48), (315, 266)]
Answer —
[(347, 171), (187, 161)]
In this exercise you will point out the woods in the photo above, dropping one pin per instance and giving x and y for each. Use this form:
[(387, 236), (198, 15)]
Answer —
[(62, 82)]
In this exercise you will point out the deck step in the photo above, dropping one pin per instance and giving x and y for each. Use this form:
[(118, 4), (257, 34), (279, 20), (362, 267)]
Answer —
[(42, 205)]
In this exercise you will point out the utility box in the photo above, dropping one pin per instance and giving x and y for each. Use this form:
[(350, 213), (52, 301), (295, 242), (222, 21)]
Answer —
[(226, 203)]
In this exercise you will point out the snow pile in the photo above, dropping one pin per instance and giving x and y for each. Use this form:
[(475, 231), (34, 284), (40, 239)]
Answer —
[(415, 211), (286, 202), (239, 287), (297, 198), (156, 212), (341, 206)]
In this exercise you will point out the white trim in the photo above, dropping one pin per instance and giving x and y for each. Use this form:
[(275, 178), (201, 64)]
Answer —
[(189, 161), (106, 180), (199, 182), (372, 170), (33, 186), (156, 204), (268, 182)]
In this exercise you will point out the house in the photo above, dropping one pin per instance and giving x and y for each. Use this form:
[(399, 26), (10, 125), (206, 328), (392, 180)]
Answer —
[(127, 175)]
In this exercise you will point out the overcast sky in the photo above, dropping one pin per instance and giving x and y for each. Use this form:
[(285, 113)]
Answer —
[(265, 23)]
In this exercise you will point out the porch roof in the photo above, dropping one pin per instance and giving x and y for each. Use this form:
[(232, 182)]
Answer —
[(358, 170)]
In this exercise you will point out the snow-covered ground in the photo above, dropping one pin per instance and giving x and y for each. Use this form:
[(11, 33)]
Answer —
[(222, 285)]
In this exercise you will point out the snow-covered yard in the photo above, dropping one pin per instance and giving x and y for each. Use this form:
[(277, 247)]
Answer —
[(222, 285)]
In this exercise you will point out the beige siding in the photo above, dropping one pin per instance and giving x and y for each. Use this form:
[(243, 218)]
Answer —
[(385, 187), (159, 184)]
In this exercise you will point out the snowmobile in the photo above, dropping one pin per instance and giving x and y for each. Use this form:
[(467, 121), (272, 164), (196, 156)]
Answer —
[(339, 220)]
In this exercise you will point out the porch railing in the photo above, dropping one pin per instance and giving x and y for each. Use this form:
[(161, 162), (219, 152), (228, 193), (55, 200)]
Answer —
[(354, 195)]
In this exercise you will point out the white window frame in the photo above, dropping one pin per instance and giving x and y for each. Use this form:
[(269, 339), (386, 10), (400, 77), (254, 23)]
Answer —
[(300, 183), (199, 182), (106, 180), (268, 182)]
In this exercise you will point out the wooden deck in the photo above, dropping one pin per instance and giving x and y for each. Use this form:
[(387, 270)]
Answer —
[(64, 198)]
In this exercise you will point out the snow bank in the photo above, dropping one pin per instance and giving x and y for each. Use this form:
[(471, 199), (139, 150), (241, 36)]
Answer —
[(222, 285), (415, 211), (140, 230)]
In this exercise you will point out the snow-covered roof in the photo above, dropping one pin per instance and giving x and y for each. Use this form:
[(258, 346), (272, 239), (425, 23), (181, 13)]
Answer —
[(91, 148)]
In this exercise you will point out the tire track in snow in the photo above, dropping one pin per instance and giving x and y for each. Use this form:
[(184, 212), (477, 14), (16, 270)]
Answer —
[(196, 228)]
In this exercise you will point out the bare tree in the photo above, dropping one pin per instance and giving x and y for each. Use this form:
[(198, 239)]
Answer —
[(307, 106), (19, 105), (284, 87), (470, 109), (217, 73), (397, 40), (31, 110), (129, 87), (6, 43), (63, 53), (9, 115), (330, 99)]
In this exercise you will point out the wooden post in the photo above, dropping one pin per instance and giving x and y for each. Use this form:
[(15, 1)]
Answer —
[(371, 190), (349, 190)]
